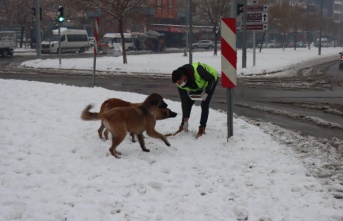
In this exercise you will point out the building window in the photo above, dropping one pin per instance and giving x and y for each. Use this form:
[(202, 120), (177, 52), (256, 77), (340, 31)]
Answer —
[(171, 2), (159, 3)]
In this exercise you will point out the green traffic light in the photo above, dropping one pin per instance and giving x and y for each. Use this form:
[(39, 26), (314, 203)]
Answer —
[(60, 14)]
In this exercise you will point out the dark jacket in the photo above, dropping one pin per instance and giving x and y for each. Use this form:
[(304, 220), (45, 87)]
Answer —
[(186, 102)]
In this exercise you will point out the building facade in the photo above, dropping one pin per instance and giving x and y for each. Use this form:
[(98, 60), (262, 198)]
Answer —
[(337, 11), (331, 8)]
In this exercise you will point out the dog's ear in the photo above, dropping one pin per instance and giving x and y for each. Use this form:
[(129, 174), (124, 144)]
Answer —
[(162, 104), (154, 101)]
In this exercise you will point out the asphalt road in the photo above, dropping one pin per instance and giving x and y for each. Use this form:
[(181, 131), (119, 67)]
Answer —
[(310, 101)]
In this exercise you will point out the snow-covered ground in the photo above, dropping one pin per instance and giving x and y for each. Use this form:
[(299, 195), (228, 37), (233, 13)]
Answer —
[(53, 166)]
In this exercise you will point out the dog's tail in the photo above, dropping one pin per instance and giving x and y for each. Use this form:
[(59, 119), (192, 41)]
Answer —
[(87, 115)]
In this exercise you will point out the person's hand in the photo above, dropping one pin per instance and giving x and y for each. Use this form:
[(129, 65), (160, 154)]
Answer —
[(185, 126), (204, 96)]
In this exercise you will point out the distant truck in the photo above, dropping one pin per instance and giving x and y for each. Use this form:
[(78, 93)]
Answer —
[(72, 40), (7, 42)]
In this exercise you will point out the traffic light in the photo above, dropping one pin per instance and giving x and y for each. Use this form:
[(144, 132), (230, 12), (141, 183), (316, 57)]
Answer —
[(240, 8), (60, 14), (33, 12)]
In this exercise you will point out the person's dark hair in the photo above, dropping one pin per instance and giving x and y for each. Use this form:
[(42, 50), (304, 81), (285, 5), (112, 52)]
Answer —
[(176, 75)]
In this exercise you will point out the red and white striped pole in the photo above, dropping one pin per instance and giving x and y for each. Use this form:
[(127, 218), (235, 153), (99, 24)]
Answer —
[(229, 54), (229, 65), (96, 41)]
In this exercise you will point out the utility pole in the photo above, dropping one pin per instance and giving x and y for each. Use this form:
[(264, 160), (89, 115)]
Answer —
[(190, 33), (38, 32), (244, 37), (320, 28), (233, 12), (59, 43), (60, 20)]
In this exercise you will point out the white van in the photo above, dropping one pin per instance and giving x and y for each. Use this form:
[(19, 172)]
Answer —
[(113, 40), (72, 40)]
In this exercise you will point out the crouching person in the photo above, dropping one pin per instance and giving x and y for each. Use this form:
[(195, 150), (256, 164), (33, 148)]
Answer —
[(195, 81)]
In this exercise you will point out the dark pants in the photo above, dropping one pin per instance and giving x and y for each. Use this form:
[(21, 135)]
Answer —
[(187, 103)]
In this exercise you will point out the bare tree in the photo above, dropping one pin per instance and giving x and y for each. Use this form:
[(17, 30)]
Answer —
[(329, 27), (212, 11), (337, 32), (297, 18), (307, 25), (17, 13), (280, 19), (119, 10)]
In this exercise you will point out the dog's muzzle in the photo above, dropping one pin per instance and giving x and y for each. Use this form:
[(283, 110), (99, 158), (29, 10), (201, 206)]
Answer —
[(172, 114)]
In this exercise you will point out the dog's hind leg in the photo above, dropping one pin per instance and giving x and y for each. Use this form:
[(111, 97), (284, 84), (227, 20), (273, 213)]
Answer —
[(133, 137), (140, 137), (117, 138), (101, 129), (106, 134)]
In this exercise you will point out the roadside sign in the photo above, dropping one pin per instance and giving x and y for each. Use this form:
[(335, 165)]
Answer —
[(257, 17), (257, 8), (257, 27)]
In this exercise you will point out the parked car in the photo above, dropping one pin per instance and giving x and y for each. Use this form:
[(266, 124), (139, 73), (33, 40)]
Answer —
[(206, 44), (299, 44), (325, 42), (264, 45), (273, 45)]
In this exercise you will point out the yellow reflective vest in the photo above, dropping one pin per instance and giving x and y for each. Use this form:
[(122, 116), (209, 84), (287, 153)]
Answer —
[(201, 83)]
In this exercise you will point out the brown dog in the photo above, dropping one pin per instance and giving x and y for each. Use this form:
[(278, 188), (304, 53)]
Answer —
[(108, 104), (135, 119)]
